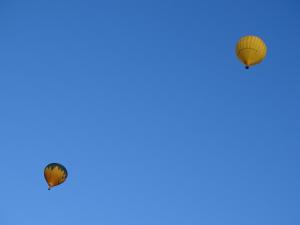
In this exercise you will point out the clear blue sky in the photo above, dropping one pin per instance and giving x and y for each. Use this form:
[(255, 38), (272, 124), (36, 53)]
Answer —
[(147, 106)]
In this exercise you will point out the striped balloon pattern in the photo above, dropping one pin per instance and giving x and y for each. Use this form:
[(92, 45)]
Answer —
[(251, 50)]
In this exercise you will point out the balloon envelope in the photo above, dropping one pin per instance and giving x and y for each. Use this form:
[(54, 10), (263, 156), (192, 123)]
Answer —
[(55, 174), (251, 50)]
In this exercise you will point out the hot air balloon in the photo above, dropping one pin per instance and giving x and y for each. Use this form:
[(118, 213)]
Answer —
[(55, 174), (251, 50)]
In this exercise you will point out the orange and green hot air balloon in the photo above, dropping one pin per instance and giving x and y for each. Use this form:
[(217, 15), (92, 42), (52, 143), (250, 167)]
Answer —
[(55, 174), (251, 50)]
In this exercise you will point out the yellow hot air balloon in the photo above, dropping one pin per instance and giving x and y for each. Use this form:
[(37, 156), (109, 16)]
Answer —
[(251, 50), (55, 174)]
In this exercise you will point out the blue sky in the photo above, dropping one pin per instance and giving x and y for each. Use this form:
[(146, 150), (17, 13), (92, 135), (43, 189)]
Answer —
[(147, 106)]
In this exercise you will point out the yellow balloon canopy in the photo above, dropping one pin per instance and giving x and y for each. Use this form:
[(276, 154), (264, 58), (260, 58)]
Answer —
[(55, 174), (251, 50)]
